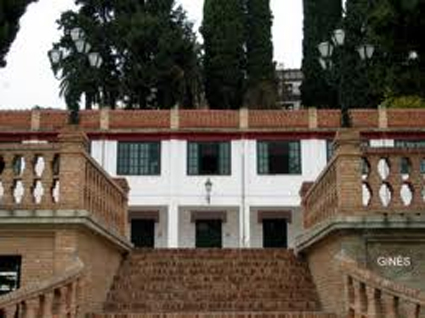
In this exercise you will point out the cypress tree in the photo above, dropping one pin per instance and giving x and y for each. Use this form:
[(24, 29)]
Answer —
[(10, 13), (261, 86), (321, 17), (224, 60)]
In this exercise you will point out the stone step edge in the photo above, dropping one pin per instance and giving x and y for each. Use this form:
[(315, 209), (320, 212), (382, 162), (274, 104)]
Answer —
[(236, 314)]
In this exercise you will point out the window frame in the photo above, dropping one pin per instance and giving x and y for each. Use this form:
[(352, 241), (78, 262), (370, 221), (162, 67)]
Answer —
[(189, 163), (289, 173), (120, 167)]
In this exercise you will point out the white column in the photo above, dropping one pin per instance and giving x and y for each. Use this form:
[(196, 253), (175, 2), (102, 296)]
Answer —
[(244, 215), (173, 209)]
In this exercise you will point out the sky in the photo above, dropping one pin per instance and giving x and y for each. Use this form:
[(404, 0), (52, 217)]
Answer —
[(28, 81)]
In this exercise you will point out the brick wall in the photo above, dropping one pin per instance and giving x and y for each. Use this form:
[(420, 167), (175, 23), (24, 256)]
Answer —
[(36, 248), (50, 251), (127, 120), (326, 274), (101, 261)]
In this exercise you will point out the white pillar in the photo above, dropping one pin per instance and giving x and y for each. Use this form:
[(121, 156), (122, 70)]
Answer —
[(173, 209), (244, 215)]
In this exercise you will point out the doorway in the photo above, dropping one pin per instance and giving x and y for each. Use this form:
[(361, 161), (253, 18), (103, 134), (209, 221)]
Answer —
[(208, 233), (143, 233), (275, 233)]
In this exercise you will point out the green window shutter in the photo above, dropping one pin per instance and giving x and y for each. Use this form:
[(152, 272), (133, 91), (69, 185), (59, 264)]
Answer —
[(294, 157), (193, 158), (224, 158), (262, 157), (155, 158)]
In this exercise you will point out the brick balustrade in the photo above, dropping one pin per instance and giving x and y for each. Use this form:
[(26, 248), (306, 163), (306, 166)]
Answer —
[(61, 176), (365, 181), (371, 296), (56, 297)]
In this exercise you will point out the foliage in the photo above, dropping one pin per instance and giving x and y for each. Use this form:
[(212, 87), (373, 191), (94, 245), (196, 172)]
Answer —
[(10, 13), (321, 17), (261, 82), (410, 101), (149, 52), (356, 75), (224, 60), (397, 27)]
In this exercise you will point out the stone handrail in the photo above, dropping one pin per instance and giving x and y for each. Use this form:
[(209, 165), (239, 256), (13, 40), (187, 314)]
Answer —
[(55, 297), (372, 296), (361, 181), (321, 201), (393, 179), (61, 176)]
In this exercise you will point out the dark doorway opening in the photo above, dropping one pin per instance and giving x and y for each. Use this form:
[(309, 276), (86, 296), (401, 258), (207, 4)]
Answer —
[(275, 233), (143, 233), (10, 273), (208, 233)]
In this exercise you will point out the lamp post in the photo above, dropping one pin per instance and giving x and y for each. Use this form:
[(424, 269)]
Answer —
[(326, 50), (82, 47), (208, 189)]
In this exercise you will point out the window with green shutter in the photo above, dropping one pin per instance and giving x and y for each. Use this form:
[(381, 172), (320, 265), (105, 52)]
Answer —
[(208, 158), (278, 157), (139, 158)]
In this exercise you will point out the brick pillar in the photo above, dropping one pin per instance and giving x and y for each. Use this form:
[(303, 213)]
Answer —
[(312, 118), (122, 182), (244, 118), (348, 170), (104, 118), (73, 144), (35, 119), (174, 118), (10, 312), (382, 117)]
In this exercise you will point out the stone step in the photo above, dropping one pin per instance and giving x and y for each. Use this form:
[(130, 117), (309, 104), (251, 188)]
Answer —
[(160, 306), (216, 315)]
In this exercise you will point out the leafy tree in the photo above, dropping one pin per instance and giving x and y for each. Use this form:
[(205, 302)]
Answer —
[(149, 54), (224, 60), (397, 28), (261, 84), (321, 17), (356, 74), (10, 13)]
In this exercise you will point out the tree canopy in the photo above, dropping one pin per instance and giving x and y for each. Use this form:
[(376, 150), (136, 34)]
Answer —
[(149, 53), (10, 13)]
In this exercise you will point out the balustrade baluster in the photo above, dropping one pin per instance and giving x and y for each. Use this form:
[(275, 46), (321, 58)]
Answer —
[(374, 181), (417, 182), (359, 299), (395, 181), (72, 299), (62, 302), (10, 311), (31, 307), (372, 295), (390, 306), (410, 310), (47, 180), (47, 305), (28, 179), (8, 180)]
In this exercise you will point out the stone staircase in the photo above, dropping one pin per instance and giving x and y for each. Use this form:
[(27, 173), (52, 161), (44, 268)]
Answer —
[(212, 283)]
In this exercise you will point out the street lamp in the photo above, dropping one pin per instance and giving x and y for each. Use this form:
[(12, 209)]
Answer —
[(208, 189), (326, 50), (81, 46)]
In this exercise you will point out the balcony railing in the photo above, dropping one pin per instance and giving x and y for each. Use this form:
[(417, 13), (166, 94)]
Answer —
[(36, 177), (366, 181), (372, 296)]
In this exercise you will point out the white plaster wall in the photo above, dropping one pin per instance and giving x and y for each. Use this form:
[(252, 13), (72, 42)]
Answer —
[(244, 188)]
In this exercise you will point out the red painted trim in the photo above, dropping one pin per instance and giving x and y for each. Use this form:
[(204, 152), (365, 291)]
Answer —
[(406, 135), (25, 135)]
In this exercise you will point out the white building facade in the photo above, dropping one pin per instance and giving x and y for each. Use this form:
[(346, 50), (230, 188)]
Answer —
[(247, 186)]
